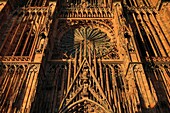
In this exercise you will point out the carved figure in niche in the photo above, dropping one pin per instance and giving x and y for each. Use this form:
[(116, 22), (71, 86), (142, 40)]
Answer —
[(85, 81), (41, 45)]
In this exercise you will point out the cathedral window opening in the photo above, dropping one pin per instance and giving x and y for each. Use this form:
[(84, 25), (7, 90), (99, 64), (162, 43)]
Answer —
[(29, 46), (22, 43), (141, 45), (147, 43), (73, 39)]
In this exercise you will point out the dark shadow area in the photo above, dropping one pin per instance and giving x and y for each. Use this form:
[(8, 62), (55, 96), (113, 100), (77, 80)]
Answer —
[(10, 6), (45, 99), (155, 74), (2, 70), (157, 87), (41, 103)]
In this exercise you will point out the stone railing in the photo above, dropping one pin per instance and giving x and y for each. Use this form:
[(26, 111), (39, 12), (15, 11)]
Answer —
[(35, 9), (96, 12), (158, 59), (14, 58)]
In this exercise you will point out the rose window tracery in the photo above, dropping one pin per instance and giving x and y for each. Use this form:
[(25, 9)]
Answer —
[(86, 41)]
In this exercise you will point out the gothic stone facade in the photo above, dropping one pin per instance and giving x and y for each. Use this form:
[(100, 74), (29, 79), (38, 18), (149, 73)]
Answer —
[(85, 56)]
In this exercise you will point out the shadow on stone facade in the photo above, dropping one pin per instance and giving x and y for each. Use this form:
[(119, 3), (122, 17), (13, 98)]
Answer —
[(158, 90)]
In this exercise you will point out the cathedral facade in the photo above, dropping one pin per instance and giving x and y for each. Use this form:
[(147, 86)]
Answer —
[(84, 56)]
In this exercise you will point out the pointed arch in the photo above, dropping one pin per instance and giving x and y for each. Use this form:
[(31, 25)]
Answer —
[(82, 100)]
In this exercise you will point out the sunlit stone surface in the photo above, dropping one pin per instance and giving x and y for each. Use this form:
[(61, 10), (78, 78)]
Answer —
[(85, 56)]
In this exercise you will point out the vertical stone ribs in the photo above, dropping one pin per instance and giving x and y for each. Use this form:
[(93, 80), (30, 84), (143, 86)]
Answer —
[(37, 3), (154, 45), (17, 86), (22, 33), (103, 56), (99, 89), (14, 80), (22, 43)]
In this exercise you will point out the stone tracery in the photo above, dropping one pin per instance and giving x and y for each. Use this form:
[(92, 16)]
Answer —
[(84, 56), (93, 39)]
